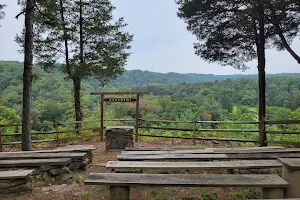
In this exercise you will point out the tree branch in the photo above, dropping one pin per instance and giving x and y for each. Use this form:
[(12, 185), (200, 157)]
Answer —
[(280, 34)]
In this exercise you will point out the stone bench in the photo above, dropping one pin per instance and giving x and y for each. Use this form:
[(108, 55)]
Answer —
[(197, 157), (15, 181), (273, 186)]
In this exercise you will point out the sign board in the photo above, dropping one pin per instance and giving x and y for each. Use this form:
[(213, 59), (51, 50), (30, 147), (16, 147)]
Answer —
[(120, 99)]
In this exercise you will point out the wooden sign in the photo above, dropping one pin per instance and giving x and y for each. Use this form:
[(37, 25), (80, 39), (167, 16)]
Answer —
[(120, 99)]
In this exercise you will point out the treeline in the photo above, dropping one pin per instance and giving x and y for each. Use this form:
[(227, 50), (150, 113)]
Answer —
[(215, 100)]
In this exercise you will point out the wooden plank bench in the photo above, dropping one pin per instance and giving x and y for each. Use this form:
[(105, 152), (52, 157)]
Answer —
[(261, 156), (172, 149), (184, 151), (15, 181), (67, 149), (197, 157), (273, 186), (243, 164), (35, 162), (33, 155), (262, 150)]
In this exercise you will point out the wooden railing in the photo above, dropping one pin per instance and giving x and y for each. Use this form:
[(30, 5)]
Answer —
[(195, 130)]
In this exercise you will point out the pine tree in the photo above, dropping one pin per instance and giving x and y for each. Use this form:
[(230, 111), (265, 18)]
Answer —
[(234, 32), (2, 6), (84, 33)]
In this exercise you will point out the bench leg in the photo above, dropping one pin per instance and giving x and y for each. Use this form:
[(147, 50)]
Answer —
[(293, 177), (119, 193), (272, 193)]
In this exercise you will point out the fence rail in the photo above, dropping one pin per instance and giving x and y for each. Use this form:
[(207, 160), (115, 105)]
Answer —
[(194, 130)]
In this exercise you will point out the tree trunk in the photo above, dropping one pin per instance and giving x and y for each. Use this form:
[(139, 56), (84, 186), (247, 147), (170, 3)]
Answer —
[(77, 101), (262, 77), (27, 77), (65, 36)]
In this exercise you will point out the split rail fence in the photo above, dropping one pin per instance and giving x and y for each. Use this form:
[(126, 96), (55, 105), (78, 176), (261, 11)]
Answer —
[(57, 132)]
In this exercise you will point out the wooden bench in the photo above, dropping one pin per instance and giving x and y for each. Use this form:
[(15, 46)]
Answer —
[(35, 162), (273, 186), (68, 149), (34, 155), (243, 164), (184, 151), (197, 157), (15, 181), (223, 149)]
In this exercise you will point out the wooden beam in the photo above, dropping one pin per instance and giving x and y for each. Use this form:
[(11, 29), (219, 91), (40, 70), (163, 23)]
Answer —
[(117, 93), (101, 116), (137, 117)]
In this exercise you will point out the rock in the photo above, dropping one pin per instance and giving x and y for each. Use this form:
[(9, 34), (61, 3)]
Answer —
[(47, 178), (56, 171), (46, 168), (10, 183), (64, 176), (25, 187), (254, 171)]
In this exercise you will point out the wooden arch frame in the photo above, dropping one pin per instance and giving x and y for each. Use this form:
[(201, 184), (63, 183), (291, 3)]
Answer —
[(137, 100)]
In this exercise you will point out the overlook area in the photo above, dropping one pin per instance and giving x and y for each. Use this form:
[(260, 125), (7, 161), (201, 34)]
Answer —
[(159, 100)]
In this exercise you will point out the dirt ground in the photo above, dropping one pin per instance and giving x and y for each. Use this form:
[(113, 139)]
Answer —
[(79, 191)]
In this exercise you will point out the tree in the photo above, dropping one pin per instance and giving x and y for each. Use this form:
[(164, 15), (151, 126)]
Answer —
[(233, 33), (84, 34), (27, 76)]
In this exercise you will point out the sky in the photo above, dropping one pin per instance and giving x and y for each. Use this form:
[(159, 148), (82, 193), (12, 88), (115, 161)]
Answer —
[(161, 41)]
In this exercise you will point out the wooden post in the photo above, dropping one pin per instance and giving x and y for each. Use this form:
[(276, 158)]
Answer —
[(1, 149), (195, 130), (102, 117), (56, 128), (137, 117)]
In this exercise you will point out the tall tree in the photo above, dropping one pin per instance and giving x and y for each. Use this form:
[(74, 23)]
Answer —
[(27, 76), (85, 34), (234, 32)]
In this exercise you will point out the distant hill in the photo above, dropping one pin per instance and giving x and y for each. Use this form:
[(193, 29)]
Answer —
[(133, 78)]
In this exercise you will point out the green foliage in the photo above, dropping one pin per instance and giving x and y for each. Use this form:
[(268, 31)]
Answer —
[(230, 32), (218, 100)]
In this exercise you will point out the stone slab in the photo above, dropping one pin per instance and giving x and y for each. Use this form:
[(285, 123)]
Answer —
[(243, 164), (12, 156), (197, 151), (16, 174), (188, 180), (293, 163), (173, 156), (35, 162)]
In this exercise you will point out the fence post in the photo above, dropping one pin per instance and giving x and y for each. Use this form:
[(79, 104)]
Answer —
[(195, 130), (56, 128), (1, 149)]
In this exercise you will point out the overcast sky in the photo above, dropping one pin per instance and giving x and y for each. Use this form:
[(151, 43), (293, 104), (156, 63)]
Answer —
[(161, 41)]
